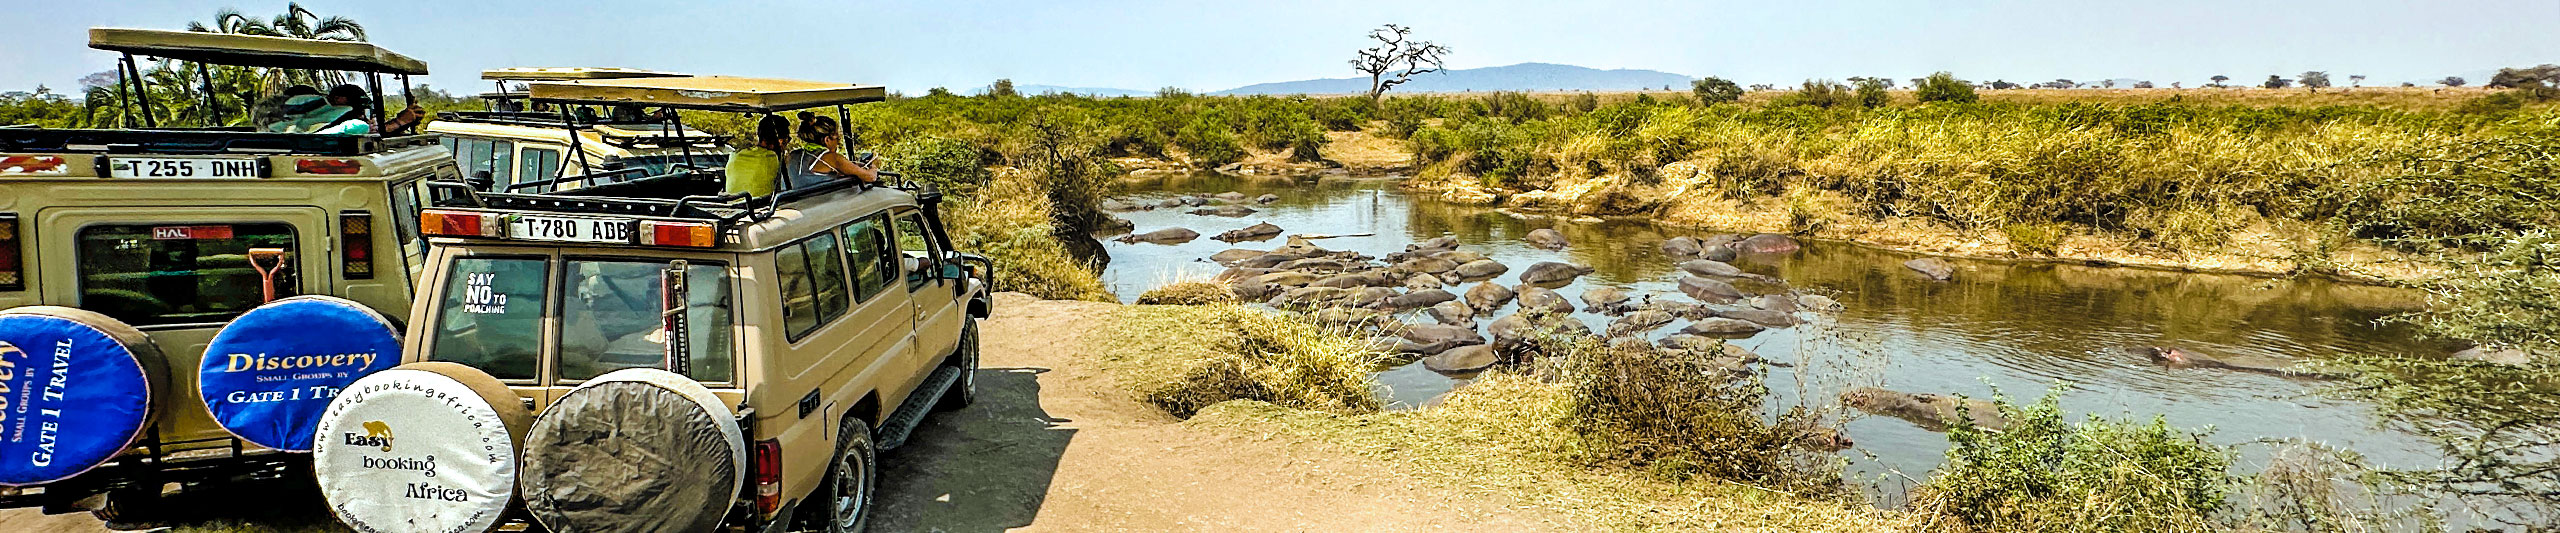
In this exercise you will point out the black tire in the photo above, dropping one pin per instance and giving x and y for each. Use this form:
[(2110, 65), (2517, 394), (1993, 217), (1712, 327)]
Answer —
[(853, 480), (965, 391), (130, 509)]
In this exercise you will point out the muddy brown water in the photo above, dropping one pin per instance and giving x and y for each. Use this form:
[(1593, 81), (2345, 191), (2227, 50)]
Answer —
[(1998, 327)]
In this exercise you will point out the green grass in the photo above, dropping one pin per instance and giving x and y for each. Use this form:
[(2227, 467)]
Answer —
[(1185, 358)]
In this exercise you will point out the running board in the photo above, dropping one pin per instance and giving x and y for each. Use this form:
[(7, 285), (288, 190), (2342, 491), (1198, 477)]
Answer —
[(894, 432)]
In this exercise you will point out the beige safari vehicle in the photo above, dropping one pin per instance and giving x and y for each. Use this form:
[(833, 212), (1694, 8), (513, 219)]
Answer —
[(173, 230), (513, 148), (831, 316)]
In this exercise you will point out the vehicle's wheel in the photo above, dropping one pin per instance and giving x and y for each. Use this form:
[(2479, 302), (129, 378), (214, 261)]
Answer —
[(965, 391), (130, 509), (850, 480)]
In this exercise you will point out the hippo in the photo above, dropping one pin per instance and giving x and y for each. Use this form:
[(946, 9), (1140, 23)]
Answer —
[(1368, 297), (1781, 302), (1462, 360), (1162, 236), (1453, 312), (1231, 256), (1713, 268), (1709, 290), (1818, 303), (1481, 269), (1487, 296), (1230, 196), (1114, 204), (1514, 330), (1605, 300), (1547, 238), (1420, 299), (1932, 412), (1459, 256), (1721, 327), (1431, 265), (1254, 232), (1767, 243), (1288, 278), (1266, 198), (2177, 358), (1309, 297), (1251, 289), (1357, 319), (1934, 268), (1230, 211), (1316, 264), (1552, 273), (1193, 200), (1436, 338), (1683, 246), (1540, 299), (1442, 243), (1357, 279), (1418, 282), (1169, 203), (1639, 323), (1762, 317)]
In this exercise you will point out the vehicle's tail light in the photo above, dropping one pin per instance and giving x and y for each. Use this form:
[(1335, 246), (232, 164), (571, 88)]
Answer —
[(677, 234), (355, 246), (459, 223), (13, 272), (31, 164), (335, 167), (768, 473)]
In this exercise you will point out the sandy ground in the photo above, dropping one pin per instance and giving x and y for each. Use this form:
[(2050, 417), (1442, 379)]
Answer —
[(1054, 444)]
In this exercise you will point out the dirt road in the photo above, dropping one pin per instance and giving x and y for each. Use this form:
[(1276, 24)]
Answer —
[(1055, 445)]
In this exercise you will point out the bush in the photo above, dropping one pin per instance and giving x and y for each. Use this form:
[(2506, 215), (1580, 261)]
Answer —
[(1872, 93), (1819, 93), (949, 165), (2043, 474), (1944, 87), (1188, 293), (1713, 90), (1249, 354), (1685, 416), (1009, 222), (1514, 107), (1209, 142)]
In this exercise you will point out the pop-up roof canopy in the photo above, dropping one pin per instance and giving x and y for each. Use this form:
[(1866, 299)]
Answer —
[(571, 73), (255, 50), (715, 93)]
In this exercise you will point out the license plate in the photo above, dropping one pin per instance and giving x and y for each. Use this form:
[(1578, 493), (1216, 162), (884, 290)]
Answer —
[(183, 167), (570, 229)]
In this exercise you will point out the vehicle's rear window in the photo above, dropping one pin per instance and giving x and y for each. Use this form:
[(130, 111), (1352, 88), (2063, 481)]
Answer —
[(147, 274), (491, 315), (609, 318)]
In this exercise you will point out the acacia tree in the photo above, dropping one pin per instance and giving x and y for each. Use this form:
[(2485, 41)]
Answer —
[(2452, 81), (2315, 79), (1396, 59), (2355, 80), (2218, 79)]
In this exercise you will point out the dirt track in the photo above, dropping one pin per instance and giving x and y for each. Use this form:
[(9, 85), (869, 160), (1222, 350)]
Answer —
[(1055, 445)]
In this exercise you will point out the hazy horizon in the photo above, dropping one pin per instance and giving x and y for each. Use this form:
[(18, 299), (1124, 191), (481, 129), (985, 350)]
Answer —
[(1145, 45)]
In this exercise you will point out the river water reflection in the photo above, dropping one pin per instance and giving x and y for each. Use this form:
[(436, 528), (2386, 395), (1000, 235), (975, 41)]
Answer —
[(2017, 328)]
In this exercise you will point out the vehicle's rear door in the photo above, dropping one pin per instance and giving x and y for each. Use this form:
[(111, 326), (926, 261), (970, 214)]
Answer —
[(179, 274)]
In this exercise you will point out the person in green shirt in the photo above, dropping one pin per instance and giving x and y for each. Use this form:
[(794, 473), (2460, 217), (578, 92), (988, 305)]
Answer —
[(755, 169)]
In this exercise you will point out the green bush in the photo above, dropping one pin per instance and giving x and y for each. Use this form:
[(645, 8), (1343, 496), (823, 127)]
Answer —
[(1872, 93), (1819, 93), (1685, 415), (1209, 142), (1713, 90), (1514, 107), (950, 165), (1944, 87), (2045, 474)]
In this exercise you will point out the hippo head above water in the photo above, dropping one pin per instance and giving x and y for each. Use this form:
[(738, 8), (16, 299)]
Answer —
[(2162, 354)]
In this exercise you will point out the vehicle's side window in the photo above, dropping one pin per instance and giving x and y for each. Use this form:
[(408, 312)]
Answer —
[(874, 265), (609, 318), (491, 316), (146, 274), (916, 245), (502, 163), (813, 285), (404, 217), (540, 164)]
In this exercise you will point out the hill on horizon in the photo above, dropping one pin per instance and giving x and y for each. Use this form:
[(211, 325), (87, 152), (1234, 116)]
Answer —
[(1520, 77)]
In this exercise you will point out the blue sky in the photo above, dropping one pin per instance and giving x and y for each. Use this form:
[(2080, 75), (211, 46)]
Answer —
[(911, 46)]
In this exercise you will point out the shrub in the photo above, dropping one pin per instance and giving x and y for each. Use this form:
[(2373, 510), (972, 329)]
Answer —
[(1514, 107), (1872, 93), (949, 165), (1009, 222), (1584, 102), (1819, 93), (1188, 293), (1208, 142), (1685, 416), (1713, 90), (2044, 474), (1944, 87), (1249, 354)]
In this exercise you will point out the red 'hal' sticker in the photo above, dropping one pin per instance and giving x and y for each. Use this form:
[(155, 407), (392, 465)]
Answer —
[(190, 232)]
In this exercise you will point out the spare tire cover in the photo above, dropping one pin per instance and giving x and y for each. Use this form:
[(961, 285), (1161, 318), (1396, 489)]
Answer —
[(420, 447), (267, 376), (76, 390), (637, 449)]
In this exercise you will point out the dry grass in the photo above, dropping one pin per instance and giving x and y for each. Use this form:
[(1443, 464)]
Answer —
[(2404, 98), (1188, 293), (1184, 358), (1009, 221)]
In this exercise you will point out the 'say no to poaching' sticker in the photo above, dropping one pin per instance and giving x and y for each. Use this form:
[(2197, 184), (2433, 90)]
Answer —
[(268, 374), (71, 398), (413, 450)]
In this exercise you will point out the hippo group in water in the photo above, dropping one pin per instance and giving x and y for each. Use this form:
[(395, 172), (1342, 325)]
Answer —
[(2178, 358)]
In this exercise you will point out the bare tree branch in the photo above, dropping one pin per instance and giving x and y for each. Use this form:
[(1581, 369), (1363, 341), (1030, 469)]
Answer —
[(1396, 59)]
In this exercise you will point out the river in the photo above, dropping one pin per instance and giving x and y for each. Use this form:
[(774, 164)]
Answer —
[(2011, 328)]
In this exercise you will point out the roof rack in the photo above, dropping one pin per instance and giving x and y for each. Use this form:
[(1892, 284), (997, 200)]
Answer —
[(255, 50), (724, 209)]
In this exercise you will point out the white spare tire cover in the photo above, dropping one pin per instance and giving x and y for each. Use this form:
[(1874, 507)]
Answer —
[(634, 450), (76, 389), (427, 447), (267, 376)]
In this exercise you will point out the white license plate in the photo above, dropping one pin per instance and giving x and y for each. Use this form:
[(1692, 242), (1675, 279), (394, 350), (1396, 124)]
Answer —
[(183, 167), (570, 229)]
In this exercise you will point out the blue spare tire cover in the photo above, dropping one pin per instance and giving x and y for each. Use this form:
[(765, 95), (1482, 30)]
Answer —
[(268, 375), (78, 391)]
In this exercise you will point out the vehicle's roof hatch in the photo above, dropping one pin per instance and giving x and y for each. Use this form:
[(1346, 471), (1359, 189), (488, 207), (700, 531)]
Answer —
[(572, 73), (255, 50), (717, 93)]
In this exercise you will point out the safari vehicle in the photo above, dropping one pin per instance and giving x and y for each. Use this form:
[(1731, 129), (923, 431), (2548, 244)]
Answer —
[(832, 316), (173, 231), (511, 149)]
